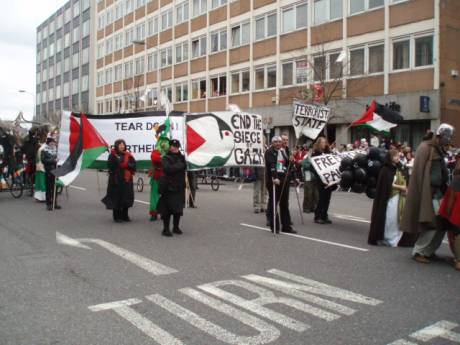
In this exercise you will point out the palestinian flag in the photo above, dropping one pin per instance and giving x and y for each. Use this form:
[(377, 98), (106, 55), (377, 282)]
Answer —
[(210, 141), (85, 145), (379, 118)]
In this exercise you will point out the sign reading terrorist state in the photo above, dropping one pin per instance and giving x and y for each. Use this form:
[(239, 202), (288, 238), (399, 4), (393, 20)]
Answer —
[(224, 139), (139, 130), (309, 119)]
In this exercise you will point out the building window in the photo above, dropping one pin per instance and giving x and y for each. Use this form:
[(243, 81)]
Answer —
[(217, 3), (129, 37), (424, 51), (166, 57), (76, 34), (100, 22), (218, 85), (240, 82), (85, 28), (199, 7), (139, 66), (108, 16), (166, 20), (85, 55), (140, 3), (108, 76), (129, 6), (294, 18), (357, 6), (335, 67), (326, 10), (119, 11), (152, 97), (199, 47), (240, 34), (182, 52), (319, 68), (182, 92), (118, 75), (100, 50), (401, 55), (109, 46), (265, 77), (152, 62), (219, 41), (357, 62), (376, 59), (265, 26), (182, 13), (198, 88), (140, 32), (118, 41), (100, 78), (153, 26), (75, 60), (128, 69), (167, 91), (294, 72)]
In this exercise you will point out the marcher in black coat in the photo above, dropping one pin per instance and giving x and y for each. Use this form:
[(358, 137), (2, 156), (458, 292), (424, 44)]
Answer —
[(120, 189), (172, 188), (320, 147)]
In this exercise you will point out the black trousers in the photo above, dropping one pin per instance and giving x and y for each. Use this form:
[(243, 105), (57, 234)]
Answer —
[(324, 200), (283, 201), (49, 184), (167, 219)]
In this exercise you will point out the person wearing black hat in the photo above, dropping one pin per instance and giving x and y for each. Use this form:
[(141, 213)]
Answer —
[(172, 188), (48, 157)]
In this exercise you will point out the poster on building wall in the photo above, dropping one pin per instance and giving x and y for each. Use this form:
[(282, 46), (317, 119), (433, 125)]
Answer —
[(139, 130), (309, 119), (223, 139)]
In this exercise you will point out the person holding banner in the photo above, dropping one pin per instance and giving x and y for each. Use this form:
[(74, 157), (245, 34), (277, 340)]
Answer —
[(48, 157), (276, 167), (172, 189), (320, 147), (120, 189)]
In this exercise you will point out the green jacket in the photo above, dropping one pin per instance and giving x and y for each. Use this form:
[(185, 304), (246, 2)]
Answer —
[(308, 170)]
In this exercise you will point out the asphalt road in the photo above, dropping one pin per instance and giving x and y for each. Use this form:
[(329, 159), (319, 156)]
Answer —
[(74, 277)]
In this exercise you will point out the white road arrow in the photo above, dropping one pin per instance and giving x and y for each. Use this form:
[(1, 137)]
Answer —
[(149, 265)]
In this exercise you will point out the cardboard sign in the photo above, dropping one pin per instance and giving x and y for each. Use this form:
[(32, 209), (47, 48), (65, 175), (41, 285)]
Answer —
[(309, 119)]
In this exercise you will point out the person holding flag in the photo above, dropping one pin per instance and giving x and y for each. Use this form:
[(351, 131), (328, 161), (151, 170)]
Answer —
[(48, 157), (120, 189)]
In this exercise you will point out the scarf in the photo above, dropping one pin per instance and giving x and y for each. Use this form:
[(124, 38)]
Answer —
[(124, 165)]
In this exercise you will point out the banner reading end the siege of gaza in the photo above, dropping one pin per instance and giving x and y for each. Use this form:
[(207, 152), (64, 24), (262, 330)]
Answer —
[(224, 138), (309, 119), (209, 140)]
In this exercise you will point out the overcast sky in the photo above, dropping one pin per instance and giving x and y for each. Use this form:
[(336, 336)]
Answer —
[(18, 22)]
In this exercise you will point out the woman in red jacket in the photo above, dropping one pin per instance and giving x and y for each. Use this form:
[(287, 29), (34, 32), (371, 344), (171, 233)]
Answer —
[(450, 210)]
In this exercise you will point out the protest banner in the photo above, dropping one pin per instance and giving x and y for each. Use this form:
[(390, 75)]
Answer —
[(139, 130), (327, 166), (309, 119), (224, 139)]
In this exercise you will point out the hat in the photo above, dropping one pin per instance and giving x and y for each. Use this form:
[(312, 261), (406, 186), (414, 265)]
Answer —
[(445, 129), (174, 142)]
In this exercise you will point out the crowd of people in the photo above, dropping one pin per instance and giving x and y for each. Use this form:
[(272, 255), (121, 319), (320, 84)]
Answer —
[(417, 197)]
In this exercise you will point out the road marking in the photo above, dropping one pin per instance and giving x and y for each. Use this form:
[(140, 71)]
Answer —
[(441, 329), (149, 265), (352, 218), (123, 309), (309, 238), (63, 239), (142, 202), (230, 305), (78, 188)]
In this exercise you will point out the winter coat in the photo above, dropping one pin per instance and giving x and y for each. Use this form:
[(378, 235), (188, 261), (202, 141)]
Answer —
[(418, 212), (120, 189), (271, 158), (450, 206), (172, 184)]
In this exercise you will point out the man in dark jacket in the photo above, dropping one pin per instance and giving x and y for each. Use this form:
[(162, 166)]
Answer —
[(172, 188), (49, 160), (277, 182)]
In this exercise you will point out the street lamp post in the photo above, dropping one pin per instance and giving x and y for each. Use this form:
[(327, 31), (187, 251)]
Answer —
[(33, 98)]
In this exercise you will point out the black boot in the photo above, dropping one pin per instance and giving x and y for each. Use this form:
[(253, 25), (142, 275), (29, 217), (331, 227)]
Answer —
[(166, 232), (176, 219), (116, 215), (124, 215)]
